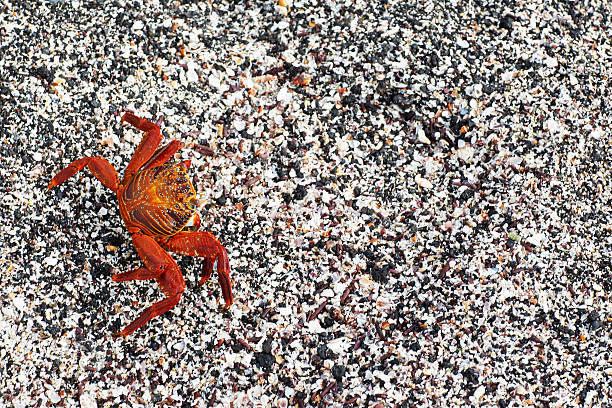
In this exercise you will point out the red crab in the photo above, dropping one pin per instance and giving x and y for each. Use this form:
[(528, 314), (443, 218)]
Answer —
[(156, 202)]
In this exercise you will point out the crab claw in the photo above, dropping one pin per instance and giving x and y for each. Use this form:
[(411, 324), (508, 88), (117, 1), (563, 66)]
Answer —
[(203, 244), (99, 167)]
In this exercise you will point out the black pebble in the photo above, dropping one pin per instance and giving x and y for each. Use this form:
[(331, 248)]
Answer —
[(264, 361), (506, 22), (338, 372), (594, 320), (471, 376), (380, 274), (44, 74), (300, 192), (323, 351), (266, 347)]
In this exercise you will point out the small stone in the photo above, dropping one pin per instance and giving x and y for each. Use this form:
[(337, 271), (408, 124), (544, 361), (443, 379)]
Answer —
[(536, 239), (422, 182), (51, 261), (465, 153), (314, 326), (515, 161), (300, 192), (480, 391), (327, 293), (462, 43), (283, 95), (192, 75), (120, 390), (338, 371), (506, 22), (87, 401), (214, 81), (551, 62), (471, 375), (553, 126), (514, 236), (520, 390), (266, 347), (264, 361), (53, 396), (474, 91), (339, 345), (239, 125), (421, 136), (19, 303)]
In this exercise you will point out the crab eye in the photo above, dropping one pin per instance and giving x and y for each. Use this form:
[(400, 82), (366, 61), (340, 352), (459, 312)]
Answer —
[(191, 203)]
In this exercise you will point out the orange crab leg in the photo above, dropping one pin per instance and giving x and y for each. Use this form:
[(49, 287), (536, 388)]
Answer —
[(99, 167), (162, 155), (204, 244), (147, 146), (157, 309), (153, 256), (207, 270), (135, 274), (159, 265)]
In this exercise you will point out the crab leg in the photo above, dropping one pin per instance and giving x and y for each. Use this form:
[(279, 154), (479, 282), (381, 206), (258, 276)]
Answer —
[(205, 245), (207, 270), (157, 309), (163, 154), (159, 265), (135, 274), (99, 167), (147, 146)]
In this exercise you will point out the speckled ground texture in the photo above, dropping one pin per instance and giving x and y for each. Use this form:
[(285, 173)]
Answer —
[(415, 198)]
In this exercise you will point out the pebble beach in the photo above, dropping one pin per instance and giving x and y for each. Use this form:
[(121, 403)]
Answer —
[(415, 198)]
